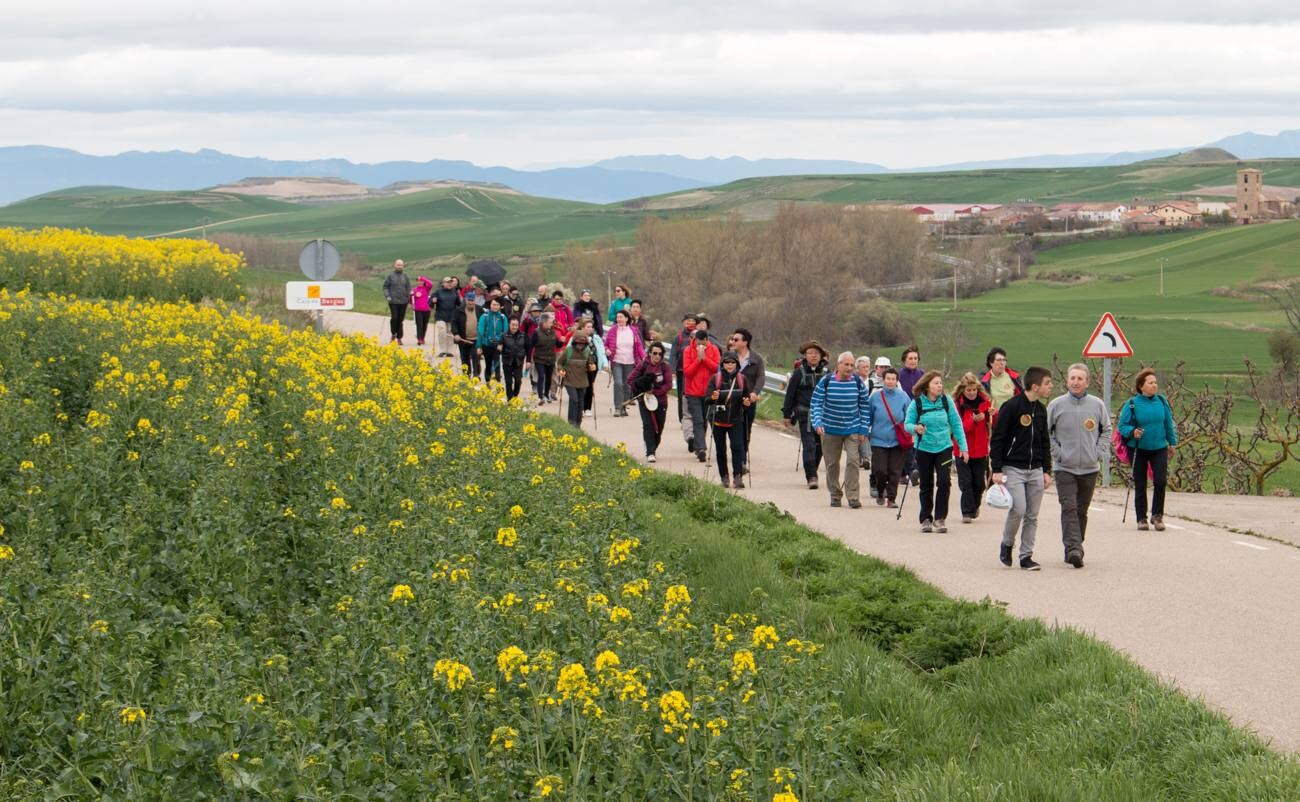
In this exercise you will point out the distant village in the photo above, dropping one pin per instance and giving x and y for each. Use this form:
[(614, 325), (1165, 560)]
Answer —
[(1254, 203)]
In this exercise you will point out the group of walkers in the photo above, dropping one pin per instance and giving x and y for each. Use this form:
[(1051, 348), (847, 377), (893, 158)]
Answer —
[(901, 424)]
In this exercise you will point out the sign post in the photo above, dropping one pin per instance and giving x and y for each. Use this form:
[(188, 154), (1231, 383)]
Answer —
[(319, 261), (1107, 342)]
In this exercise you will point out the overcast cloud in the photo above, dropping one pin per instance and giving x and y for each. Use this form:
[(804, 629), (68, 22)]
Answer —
[(515, 83)]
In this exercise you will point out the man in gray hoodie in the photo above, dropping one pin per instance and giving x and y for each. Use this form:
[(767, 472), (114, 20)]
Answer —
[(1078, 426)]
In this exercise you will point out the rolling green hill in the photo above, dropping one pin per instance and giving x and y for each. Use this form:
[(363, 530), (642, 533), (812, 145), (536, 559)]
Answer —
[(1054, 310), (430, 223), (757, 197), (135, 212)]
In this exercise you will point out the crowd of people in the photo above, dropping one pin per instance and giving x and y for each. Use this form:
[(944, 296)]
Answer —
[(1002, 431)]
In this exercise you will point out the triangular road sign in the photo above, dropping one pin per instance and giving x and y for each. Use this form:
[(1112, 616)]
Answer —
[(1107, 340)]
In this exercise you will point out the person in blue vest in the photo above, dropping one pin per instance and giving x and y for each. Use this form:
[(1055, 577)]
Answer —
[(839, 414), (933, 420), (491, 330), (1147, 423)]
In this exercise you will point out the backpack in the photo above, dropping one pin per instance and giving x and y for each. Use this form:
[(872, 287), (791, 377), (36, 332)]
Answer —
[(1123, 451)]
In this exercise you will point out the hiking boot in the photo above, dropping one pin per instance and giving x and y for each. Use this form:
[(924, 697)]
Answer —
[(880, 501), (739, 484), (1158, 521), (1075, 558), (1028, 564), (835, 502), (812, 484), (854, 504), (1142, 526), (890, 505), (690, 444), (1004, 554), (726, 481), (649, 457), (927, 526), (941, 525), (701, 455)]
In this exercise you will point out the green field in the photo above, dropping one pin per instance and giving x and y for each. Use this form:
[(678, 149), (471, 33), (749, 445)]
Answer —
[(1036, 318), (434, 223), (1158, 178)]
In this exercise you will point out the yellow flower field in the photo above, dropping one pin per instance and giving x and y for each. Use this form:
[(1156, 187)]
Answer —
[(245, 562), (91, 265)]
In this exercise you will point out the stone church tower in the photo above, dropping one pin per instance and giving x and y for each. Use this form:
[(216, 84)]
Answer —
[(1250, 195)]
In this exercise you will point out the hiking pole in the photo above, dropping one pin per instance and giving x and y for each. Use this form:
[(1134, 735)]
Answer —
[(914, 478), (1128, 491)]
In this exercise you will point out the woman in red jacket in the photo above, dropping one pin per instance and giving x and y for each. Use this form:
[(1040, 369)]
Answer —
[(975, 409)]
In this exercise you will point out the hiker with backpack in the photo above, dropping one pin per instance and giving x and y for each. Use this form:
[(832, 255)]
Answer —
[(574, 363), (1000, 381), (1078, 427), (889, 440), (699, 363), (1021, 458), (839, 414), (1147, 425), (932, 420), (798, 403), (976, 413), (728, 397)]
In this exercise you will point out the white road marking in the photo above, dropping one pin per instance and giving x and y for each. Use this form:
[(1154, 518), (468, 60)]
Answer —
[(1250, 545), (1175, 526)]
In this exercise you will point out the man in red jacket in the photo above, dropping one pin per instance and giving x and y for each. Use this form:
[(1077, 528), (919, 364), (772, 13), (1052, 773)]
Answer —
[(700, 362)]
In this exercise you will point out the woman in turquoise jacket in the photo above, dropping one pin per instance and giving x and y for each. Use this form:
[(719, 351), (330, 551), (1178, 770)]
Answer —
[(1147, 424), (933, 420)]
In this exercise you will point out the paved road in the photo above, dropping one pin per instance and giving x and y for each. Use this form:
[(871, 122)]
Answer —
[(1213, 611)]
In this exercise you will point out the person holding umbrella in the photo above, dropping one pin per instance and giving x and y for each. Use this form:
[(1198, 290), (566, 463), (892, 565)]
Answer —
[(397, 291), (650, 383)]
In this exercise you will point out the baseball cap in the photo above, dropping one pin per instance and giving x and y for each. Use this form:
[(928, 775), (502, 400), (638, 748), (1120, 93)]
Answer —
[(883, 362)]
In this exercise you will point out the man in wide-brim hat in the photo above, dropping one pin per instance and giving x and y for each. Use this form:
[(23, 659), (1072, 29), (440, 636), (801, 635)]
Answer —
[(795, 411), (803, 349)]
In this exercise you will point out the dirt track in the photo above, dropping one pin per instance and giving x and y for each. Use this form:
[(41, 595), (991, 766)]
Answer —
[(1214, 611)]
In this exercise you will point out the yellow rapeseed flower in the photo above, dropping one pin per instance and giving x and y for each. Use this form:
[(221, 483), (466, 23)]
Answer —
[(453, 673), (765, 636), (401, 593), (507, 537), (6, 553), (132, 715)]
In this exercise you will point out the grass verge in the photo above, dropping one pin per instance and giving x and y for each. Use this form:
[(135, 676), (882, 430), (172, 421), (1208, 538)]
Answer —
[(970, 702)]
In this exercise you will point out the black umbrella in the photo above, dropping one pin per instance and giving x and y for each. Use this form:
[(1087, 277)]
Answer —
[(489, 271)]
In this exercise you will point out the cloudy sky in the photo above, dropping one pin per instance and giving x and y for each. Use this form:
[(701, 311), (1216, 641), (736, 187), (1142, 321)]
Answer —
[(523, 83)]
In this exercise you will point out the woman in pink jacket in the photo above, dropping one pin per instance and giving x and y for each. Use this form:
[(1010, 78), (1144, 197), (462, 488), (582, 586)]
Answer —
[(625, 350), (420, 303)]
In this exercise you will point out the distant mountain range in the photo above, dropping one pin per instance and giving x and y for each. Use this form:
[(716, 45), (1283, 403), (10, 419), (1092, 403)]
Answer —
[(34, 170)]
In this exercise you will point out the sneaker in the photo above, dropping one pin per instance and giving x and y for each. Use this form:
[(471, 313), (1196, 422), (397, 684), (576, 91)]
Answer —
[(744, 469), (690, 444), (966, 519), (927, 526), (726, 481), (419, 342), (880, 501), (1028, 564), (1142, 526), (1075, 558), (1158, 521), (889, 505), (739, 483), (586, 413), (835, 502), (854, 504), (1004, 554), (812, 484), (649, 457), (701, 455), (941, 525)]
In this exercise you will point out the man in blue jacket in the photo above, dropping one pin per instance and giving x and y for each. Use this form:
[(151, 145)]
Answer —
[(839, 415)]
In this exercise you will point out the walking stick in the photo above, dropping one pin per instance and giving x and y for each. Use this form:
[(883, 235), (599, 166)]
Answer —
[(914, 478), (1128, 491)]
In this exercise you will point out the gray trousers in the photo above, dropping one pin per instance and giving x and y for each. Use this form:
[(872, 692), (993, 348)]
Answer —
[(1026, 489), (622, 392), (694, 422), (834, 448), (1074, 490)]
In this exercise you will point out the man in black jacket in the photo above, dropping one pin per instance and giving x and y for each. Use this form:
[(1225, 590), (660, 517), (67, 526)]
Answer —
[(446, 302), (680, 342), (464, 330), (514, 357), (1021, 458), (754, 369), (798, 405)]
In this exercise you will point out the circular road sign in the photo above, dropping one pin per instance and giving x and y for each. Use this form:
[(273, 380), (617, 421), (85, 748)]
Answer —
[(319, 260)]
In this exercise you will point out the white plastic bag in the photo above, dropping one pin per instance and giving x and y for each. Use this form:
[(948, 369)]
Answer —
[(997, 496)]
